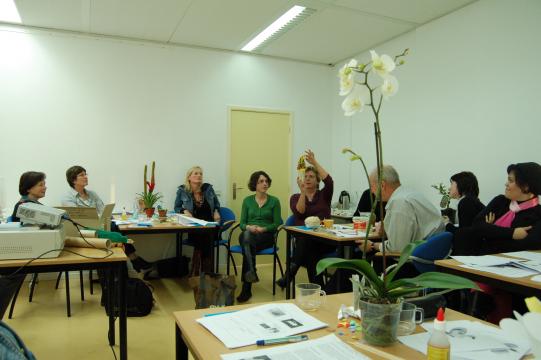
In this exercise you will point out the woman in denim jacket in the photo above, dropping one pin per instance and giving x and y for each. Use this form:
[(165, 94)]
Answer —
[(198, 199)]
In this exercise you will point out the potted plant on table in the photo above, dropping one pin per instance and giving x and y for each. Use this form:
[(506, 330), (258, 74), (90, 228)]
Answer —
[(148, 196), (445, 202), (380, 295)]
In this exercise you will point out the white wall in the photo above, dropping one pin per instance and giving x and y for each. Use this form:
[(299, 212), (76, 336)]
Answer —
[(469, 99), (113, 106)]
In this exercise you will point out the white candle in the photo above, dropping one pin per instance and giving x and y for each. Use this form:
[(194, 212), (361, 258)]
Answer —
[(112, 194)]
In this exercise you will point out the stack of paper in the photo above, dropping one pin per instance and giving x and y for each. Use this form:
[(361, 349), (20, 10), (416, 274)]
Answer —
[(500, 265), (191, 221), (270, 321), (473, 340), (325, 348)]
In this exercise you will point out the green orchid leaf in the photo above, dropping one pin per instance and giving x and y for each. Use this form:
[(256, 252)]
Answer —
[(404, 257), (360, 266), (396, 293), (438, 280)]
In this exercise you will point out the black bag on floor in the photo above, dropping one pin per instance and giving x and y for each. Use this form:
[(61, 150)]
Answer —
[(172, 267), (139, 300)]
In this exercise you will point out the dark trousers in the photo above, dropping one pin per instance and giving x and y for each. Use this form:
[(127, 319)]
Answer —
[(307, 253), (128, 248), (251, 243), (202, 254), (8, 287)]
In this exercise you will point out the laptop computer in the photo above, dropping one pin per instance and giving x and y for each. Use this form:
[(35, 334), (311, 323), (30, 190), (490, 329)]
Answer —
[(87, 216)]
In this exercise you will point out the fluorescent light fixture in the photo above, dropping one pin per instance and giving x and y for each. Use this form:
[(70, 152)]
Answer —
[(282, 24), (9, 12)]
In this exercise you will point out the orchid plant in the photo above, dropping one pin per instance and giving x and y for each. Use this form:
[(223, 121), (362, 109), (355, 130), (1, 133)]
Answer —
[(445, 196), (369, 85), (149, 197)]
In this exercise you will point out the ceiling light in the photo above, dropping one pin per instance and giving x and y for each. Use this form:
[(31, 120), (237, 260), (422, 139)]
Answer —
[(9, 12), (285, 22)]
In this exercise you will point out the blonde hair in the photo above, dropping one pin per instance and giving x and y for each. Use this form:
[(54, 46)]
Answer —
[(190, 171)]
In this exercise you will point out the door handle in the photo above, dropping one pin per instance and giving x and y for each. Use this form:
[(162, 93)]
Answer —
[(235, 188)]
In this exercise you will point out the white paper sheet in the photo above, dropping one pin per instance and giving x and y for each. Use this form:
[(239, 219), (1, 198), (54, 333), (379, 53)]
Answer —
[(325, 348), (509, 271), (528, 255), (472, 340), (486, 260), (191, 221), (269, 321)]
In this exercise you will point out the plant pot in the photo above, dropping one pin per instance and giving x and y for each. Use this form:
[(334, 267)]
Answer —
[(379, 322), (450, 213), (149, 212), (162, 212)]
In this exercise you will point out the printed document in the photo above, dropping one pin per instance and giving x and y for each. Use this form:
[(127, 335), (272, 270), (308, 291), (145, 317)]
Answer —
[(325, 348), (473, 340), (269, 321)]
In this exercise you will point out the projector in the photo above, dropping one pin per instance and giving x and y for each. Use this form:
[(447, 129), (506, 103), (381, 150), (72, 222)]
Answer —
[(32, 213)]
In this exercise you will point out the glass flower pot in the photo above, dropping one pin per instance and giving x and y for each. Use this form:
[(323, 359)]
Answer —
[(379, 322)]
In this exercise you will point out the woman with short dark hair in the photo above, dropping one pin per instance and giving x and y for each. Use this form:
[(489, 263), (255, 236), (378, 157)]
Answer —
[(31, 188), (465, 189), (259, 221), (78, 195), (510, 222)]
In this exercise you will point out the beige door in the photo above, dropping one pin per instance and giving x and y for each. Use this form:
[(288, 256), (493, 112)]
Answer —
[(259, 140)]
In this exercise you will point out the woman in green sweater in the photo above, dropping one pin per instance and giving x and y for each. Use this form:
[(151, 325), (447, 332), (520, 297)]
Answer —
[(259, 221)]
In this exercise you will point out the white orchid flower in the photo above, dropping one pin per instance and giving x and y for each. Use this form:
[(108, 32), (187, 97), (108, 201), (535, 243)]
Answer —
[(383, 64), (389, 86), (346, 76), (355, 101)]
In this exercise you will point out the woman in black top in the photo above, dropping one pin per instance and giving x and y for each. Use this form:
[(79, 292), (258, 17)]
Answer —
[(465, 188), (198, 199), (510, 222), (364, 205), (32, 188)]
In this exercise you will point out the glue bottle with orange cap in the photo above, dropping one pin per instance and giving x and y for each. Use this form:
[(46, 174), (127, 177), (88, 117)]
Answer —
[(439, 347)]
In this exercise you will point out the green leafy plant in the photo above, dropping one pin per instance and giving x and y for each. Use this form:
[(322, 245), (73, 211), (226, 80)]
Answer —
[(445, 196), (148, 196), (385, 289)]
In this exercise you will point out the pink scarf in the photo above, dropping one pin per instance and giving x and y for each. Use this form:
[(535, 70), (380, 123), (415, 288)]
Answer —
[(515, 207)]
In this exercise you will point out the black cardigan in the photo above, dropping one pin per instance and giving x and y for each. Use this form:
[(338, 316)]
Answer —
[(467, 208), (364, 205), (483, 238)]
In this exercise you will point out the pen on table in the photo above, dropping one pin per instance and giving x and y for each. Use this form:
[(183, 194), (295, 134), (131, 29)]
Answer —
[(287, 339), (220, 313)]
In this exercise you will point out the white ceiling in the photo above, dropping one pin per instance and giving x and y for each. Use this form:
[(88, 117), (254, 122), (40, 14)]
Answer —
[(337, 30)]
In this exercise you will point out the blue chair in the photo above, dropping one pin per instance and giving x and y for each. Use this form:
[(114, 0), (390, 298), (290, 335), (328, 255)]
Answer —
[(436, 247), (273, 250), (227, 219)]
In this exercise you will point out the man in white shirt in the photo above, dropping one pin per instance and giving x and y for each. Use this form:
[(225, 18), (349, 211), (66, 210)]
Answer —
[(409, 215)]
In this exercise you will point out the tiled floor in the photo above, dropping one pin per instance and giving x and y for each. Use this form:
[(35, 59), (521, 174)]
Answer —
[(50, 334)]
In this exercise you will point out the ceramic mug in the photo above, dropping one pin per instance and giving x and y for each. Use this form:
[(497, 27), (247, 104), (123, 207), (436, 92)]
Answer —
[(309, 297), (360, 222), (328, 223), (410, 316)]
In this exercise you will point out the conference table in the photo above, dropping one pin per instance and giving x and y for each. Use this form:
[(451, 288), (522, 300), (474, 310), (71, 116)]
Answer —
[(320, 235), (523, 285), (192, 337), (76, 259), (171, 228)]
